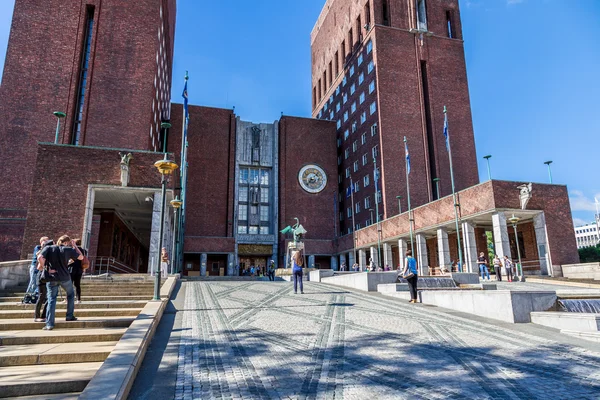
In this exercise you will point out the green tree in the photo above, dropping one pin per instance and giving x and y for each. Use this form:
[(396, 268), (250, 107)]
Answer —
[(589, 254)]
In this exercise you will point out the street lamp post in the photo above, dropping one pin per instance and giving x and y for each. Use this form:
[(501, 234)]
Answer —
[(487, 158), (59, 115), (549, 170), (399, 204), (165, 126), (176, 204), (514, 220), (165, 167)]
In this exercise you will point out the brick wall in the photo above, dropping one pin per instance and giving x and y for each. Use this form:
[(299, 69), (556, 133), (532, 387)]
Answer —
[(41, 75), (62, 175), (305, 141)]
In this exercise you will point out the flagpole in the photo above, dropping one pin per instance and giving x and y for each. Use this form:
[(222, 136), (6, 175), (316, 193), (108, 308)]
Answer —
[(183, 174), (410, 220), (353, 224), (376, 176), (456, 205)]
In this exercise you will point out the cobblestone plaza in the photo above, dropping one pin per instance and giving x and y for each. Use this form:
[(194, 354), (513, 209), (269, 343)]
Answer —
[(246, 340)]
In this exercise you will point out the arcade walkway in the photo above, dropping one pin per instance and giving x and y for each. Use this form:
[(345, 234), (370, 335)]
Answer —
[(250, 340)]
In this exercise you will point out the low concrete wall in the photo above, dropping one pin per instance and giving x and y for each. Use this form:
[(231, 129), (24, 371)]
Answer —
[(316, 275), (581, 322), (366, 281), (581, 271), (465, 278), (14, 273), (502, 305)]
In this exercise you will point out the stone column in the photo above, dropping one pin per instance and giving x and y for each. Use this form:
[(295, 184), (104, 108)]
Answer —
[(334, 265), (443, 249), (541, 239), (362, 259), (203, 258), (422, 261), (230, 264), (402, 247), (470, 242), (387, 255), (311, 261), (153, 255), (501, 242), (374, 255), (351, 260), (343, 260)]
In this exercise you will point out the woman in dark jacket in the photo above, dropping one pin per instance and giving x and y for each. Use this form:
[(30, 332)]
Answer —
[(77, 272)]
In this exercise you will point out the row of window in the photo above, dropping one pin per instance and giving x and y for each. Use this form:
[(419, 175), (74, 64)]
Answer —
[(324, 114), (579, 231), (253, 230)]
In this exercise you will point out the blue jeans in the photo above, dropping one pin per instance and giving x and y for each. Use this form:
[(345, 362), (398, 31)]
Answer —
[(298, 278), (52, 294), (32, 287), (484, 271)]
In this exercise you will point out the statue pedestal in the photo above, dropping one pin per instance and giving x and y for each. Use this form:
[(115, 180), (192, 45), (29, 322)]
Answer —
[(292, 247)]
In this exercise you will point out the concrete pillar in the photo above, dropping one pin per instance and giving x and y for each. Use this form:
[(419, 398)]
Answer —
[(374, 256), (334, 264), (541, 239), (387, 256), (311, 261), (153, 255), (351, 260), (342, 261), (443, 249), (402, 247), (230, 264), (362, 259), (501, 242), (203, 258), (470, 244), (422, 261)]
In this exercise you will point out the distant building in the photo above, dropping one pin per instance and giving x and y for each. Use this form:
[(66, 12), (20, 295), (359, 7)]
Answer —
[(587, 235)]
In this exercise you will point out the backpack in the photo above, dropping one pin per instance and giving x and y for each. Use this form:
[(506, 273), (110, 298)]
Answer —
[(30, 298)]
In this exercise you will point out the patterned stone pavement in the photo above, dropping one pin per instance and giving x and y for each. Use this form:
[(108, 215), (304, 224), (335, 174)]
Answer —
[(255, 340)]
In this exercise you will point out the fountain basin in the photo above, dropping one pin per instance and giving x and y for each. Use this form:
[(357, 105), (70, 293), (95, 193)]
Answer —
[(572, 321)]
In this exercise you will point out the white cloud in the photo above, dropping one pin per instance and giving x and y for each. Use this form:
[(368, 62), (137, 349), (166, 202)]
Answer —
[(580, 202), (511, 2), (579, 222)]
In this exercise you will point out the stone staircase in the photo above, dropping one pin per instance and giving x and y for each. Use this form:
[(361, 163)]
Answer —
[(58, 364)]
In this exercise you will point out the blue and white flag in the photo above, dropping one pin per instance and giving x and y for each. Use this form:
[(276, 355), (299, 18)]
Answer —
[(446, 132), (407, 157), (185, 101)]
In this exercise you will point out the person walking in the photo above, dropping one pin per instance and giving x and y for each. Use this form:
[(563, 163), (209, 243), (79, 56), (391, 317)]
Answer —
[(410, 273), (483, 269), (76, 271), (55, 259), (498, 268), (508, 265), (297, 271), (32, 287)]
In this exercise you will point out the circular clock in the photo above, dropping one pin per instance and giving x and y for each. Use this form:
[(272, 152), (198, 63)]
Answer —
[(312, 178)]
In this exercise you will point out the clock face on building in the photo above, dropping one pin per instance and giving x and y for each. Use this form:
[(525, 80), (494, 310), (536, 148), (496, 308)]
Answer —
[(312, 178)]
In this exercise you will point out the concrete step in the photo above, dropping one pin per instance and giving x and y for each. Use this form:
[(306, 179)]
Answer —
[(79, 312), (100, 292), (15, 299), (591, 336), (84, 304), (58, 335), (84, 322), (36, 379), (55, 353), (60, 396)]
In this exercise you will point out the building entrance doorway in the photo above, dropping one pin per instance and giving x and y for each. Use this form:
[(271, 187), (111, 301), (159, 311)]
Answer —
[(246, 263)]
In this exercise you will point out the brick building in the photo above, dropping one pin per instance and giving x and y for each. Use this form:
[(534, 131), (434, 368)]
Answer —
[(382, 70)]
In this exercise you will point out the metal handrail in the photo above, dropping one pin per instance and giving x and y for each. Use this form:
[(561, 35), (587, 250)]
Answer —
[(106, 265)]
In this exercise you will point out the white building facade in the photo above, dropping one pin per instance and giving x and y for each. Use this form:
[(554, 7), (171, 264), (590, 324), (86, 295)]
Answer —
[(587, 235)]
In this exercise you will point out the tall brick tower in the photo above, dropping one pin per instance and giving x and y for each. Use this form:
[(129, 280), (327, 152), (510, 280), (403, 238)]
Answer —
[(105, 63), (385, 69)]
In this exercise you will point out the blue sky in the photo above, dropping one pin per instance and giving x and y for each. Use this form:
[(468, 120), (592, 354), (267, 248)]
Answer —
[(533, 69)]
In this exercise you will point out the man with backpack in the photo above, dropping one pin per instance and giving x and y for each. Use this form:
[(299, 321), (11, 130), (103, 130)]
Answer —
[(54, 265)]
